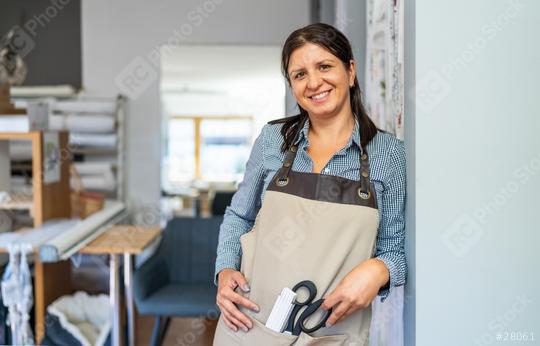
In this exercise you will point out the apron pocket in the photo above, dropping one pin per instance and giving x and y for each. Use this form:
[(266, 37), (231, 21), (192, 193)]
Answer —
[(259, 335), (329, 340)]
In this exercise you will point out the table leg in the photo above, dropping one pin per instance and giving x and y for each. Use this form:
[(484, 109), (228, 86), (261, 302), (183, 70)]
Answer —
[(128, 280), (114, 299)]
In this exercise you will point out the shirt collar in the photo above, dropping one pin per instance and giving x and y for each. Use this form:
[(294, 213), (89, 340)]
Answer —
[(355, 137)]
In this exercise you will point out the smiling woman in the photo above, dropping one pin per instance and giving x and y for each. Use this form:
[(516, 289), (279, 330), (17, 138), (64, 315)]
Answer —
[(320, 86), (316, 59), (322, 200)]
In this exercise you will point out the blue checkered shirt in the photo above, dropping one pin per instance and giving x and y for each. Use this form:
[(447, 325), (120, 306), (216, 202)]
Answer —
[(387, 172)]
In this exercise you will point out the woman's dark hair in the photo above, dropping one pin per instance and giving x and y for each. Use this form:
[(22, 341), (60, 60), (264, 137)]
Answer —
[(336, 43)]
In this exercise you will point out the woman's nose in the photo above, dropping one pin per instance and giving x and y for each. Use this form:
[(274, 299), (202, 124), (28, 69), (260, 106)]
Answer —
[(314, 81)]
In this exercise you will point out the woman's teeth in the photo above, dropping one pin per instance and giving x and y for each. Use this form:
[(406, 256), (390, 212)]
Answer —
[(320, 96)]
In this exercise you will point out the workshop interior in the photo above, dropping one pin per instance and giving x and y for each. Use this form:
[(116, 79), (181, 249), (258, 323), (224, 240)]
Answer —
[(126, 125)]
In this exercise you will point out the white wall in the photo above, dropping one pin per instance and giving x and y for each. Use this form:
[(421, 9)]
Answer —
[(120, 36), (477, 161)]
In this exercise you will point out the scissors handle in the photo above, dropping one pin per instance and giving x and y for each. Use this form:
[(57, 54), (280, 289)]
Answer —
[(310, 286), (310, 310), (312, 290)]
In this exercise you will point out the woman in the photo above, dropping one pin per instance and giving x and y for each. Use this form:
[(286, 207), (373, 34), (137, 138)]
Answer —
[(322, 199)]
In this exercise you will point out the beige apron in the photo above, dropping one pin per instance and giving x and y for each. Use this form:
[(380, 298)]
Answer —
[(310, 227)]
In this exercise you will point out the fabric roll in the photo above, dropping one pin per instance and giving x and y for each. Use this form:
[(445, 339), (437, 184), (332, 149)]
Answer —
[(93, 140), (20, 150), (82, 123), (93, 168), (89, 123), (15, 123), (43, 91), (86, 106), (19, 103), (100, 114), (100, 182)]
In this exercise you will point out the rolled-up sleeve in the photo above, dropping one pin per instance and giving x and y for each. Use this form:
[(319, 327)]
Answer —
[(391, 236), (240, 215)]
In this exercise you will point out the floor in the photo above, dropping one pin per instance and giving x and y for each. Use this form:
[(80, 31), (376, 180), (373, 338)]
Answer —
[(182, 332), (91, 273)]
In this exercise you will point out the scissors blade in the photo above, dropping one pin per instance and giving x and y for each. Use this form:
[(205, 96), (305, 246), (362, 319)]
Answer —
[(292, 318)]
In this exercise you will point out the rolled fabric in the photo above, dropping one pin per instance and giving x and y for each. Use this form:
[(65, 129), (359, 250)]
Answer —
[(43, 91), (88, 168), (86, 106), (20, 150), (20, 103), (67, 243), (108, 115), (93, 140), (89, 123), (100, 182)]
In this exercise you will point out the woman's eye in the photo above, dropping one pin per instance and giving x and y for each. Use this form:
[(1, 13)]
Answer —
[(299, 75), (325, 67)]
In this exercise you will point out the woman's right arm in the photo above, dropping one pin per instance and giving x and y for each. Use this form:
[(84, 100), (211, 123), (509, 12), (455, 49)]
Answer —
[(239, 219)]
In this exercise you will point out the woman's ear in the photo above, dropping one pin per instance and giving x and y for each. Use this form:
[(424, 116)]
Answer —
[(352, 72)]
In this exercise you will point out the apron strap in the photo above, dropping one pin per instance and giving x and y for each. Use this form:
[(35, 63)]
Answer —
[(364, 174), (290, 155)]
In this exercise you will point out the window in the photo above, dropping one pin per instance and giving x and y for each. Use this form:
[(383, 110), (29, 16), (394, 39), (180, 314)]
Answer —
[(215, 100), (209, 148)]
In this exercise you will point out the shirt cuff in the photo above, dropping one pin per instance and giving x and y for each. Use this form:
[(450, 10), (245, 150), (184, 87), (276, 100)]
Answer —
[(385, 291), (227, 261)]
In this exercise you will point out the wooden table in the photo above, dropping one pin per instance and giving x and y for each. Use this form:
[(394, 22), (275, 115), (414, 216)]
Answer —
[(128, 241)]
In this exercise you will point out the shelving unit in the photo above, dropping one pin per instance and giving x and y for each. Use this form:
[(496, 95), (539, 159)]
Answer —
[(91, 153), (94, 153), (49, 201)]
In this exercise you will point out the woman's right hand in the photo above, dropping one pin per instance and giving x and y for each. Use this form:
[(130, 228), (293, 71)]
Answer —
[(227, 298)]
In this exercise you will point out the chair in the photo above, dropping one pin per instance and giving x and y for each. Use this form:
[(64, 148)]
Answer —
[(222, 199), (178, 280)]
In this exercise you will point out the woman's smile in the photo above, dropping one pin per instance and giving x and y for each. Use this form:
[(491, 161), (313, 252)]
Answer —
[(321, 97)]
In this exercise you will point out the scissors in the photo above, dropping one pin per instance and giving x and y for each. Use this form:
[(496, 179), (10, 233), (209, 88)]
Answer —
[(295, 327)]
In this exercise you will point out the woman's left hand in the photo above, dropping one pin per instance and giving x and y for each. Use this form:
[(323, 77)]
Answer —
[(356, 290)]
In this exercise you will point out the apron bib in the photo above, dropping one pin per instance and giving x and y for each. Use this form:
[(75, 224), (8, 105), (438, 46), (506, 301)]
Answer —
[(310, 227)]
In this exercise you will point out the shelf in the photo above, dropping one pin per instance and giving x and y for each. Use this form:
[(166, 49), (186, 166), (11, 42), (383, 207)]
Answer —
[(7, 237), (20, 135), (16, 205), (18, 201)]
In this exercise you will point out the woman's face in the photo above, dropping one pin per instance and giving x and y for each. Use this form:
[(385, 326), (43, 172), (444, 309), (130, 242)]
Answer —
[(320, 81)]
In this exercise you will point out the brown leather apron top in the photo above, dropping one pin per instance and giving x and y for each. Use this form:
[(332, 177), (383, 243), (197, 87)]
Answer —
[(310, 227)]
